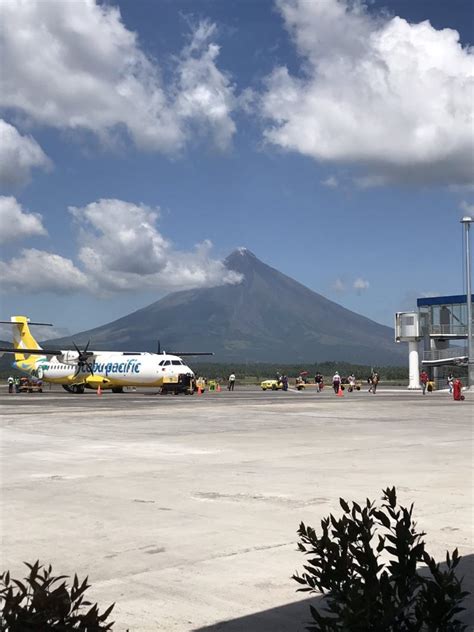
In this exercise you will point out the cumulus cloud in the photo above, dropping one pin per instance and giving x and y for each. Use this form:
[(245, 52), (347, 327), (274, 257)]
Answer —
[(203, 92), (39, 271), (75, 65), (18, 155), (122, 249), (393, 99), (15, 223), (360, 285)]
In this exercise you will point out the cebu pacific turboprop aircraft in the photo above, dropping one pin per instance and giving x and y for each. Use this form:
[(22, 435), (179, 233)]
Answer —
[(77, 370)]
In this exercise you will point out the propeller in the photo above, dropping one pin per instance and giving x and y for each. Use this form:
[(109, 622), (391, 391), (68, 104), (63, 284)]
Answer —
[(83, 358)]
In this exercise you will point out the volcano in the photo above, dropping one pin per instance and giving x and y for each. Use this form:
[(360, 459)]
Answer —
[(268, 317)]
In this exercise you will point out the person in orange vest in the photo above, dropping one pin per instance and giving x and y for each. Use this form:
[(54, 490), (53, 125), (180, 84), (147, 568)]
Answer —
[(424, 379)]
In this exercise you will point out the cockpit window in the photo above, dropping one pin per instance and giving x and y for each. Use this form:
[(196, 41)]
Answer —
[(176, 363), (167, 363), (161, 363)]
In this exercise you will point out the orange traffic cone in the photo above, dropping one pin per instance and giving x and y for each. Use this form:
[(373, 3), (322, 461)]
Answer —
[(340, 392), (199, 390), (218, 388), (99, 390)]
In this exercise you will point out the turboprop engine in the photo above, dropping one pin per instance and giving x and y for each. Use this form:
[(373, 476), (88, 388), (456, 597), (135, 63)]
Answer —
[(78, 358), (68, 357)]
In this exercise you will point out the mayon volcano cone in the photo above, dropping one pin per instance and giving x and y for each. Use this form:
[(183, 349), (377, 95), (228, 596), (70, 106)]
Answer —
[(268, 317)]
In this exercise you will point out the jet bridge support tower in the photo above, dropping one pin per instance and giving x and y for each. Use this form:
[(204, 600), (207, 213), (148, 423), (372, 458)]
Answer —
[(407, 329)]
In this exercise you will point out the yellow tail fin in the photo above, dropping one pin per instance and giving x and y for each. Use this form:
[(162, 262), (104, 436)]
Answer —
[(22, 336)]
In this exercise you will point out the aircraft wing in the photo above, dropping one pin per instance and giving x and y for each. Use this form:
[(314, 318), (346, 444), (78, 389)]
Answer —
[(46, 352), (189, 353)]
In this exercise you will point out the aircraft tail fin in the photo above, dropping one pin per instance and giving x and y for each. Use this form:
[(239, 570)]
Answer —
[(22, 336)]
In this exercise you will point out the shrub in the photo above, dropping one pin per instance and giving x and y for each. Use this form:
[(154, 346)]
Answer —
[(365, 565), (43, 602)]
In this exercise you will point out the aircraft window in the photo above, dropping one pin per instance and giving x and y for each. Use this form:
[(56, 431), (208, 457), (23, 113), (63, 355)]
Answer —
[(176, 363), (161, 363), (167, 363)]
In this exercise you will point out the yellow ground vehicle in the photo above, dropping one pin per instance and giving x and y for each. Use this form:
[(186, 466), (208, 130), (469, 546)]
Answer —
[(273, 385)]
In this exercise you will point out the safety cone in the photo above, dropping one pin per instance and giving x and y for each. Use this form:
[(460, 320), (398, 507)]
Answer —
[(99, 390), (199, 390), (340, 392), (218, 388)]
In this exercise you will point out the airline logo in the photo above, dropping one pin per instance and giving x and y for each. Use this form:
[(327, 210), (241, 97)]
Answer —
[(132, 366)]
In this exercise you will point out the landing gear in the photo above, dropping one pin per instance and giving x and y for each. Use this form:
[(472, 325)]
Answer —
[(117, 389), (77, 389)]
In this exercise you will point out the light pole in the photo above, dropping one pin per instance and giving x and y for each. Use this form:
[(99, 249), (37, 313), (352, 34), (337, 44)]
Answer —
[(467, 221)]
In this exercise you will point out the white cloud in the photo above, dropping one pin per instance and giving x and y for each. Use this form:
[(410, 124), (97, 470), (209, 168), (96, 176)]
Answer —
[(122, 250), (15, 223), (75, 65), (204, 94), (393, 99), (18, 155), (339, 285), (38, 271), (330, 182), (360, 285)]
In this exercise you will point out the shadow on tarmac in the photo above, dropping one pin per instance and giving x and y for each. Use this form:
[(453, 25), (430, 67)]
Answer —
[(294, 617)]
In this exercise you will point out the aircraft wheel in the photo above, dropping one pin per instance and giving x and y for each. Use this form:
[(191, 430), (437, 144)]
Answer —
[(117, 389)]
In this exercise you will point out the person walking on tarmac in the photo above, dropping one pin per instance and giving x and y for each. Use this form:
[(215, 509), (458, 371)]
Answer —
[(450, 382), (336, 382), (374, 380), (424, 379), (318, 379), (11, 382), (231, 384), (352, 382)]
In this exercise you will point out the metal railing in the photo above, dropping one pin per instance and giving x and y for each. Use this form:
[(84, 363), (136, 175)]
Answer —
[(448, 330), (444, 354)]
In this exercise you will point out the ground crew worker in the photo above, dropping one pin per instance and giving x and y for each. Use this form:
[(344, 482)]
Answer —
[(231, 384), (450, 382), (10, 381), (336, 382), (424, 379), (374, 380), (352, 382), (318, 378)]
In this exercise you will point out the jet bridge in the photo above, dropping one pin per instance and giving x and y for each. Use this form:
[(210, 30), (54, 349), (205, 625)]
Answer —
[(437, 331)]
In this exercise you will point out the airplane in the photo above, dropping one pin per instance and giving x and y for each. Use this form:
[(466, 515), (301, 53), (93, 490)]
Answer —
[(79, 369)]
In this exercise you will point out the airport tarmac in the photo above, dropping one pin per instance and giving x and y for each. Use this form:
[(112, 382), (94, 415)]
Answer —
[(184, 510)]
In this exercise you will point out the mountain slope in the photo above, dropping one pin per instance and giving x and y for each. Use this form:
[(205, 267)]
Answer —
[(267, 317)]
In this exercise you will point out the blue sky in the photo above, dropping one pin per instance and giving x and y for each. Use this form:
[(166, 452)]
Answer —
[(141, 142)]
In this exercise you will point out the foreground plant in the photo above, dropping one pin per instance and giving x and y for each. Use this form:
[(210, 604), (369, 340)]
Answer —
[(365, 565), (43, 602)]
